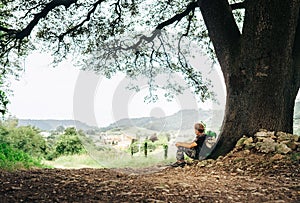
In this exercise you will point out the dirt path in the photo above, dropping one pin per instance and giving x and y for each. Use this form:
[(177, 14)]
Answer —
[(233, 179), (169, 185)]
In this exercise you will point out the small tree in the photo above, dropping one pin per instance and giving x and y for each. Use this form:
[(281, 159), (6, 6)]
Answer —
[(69, 143)]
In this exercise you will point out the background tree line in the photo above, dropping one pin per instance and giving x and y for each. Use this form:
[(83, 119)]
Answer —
[(24, 146)]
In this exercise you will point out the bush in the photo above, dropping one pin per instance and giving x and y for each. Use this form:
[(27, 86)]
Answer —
[(68, 144), (25, 138), (29, 140), (11, 159)]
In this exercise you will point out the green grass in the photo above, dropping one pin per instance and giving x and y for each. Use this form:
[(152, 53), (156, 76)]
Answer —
[(109, 159), (120, 159), (139, 161), (74, 161)]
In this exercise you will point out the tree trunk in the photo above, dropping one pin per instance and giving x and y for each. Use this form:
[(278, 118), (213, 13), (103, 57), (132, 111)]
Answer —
[(259, 67)]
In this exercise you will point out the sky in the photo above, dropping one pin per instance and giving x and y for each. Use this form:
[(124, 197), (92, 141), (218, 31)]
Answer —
[(65, 92)]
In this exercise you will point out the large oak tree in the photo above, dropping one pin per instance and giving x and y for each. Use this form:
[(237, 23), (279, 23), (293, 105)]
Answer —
[(256, 42)]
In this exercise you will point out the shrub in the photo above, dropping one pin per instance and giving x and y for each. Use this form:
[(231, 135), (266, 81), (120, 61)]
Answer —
[(69, 143), (28, 139), (11, 159)]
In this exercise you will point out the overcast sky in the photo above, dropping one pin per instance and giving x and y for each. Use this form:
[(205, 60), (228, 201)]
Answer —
[(44, 92), (64, 92)]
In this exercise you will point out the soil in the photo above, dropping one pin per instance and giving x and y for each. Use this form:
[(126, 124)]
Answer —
[(241, 176)]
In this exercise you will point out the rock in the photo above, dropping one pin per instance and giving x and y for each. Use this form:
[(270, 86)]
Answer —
[(271, 134), (265, 133), (276, 201), (268, 142), (282, 136), (277, 157), (202, 164), (205, 163), (239, 170), (220, 158), (266, 146), (210, 161), (297, 145), (16, 188), (282, 148), (249, 146), (261, 134), (290, 144), (219, 163), (247, 151), (209, 165), (240, 142), (249, 143)]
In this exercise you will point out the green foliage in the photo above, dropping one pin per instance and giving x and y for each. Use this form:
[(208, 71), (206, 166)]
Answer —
[(151, 146), (295, 157), (70, 131), (91, 31), (3, 99), (28, 139), (11, 159), (116, 159), (141, 146), (25, 138), (3, 134), (135, 147), (68, 143)]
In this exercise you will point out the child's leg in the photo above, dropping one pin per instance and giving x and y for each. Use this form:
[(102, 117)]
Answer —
[(189, 152)]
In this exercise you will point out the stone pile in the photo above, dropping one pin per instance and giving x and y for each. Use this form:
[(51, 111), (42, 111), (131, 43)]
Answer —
[(270, 142)]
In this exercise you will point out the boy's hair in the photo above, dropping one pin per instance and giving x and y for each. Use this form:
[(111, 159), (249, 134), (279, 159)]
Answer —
[(199, 126)]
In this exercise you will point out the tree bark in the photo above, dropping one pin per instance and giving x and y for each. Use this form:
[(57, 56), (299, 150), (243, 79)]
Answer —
[(260, 67)]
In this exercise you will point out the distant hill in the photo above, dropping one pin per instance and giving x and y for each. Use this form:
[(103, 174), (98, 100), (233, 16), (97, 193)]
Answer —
[(181, 120), (185, 119), (49, 124)]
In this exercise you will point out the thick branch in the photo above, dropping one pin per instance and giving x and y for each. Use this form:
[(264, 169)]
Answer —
[(239, 5), (178, 16), (4, 29), (296, 55), (222, 29), (49, 7), (157, 31)]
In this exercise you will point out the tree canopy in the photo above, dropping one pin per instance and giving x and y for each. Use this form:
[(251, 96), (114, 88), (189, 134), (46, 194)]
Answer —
[(109, 36)]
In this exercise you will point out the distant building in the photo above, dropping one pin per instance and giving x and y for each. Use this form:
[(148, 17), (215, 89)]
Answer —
[(125, 141), (119, 140)]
